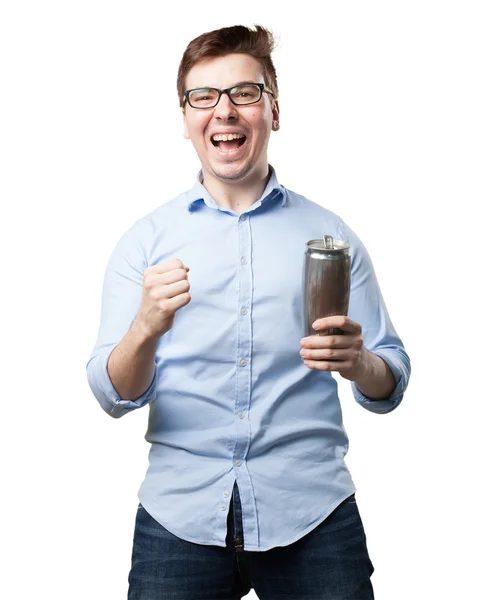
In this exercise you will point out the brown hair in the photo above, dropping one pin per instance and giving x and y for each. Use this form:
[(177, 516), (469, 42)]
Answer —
[(228, 40)]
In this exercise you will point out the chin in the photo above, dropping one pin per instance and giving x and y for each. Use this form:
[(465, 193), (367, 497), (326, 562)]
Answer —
[(231, 172)]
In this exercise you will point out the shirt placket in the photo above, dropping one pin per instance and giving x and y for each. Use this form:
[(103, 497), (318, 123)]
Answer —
[(243, 378)]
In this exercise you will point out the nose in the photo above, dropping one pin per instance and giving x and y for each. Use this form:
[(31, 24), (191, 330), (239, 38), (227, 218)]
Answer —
[(225, 109)]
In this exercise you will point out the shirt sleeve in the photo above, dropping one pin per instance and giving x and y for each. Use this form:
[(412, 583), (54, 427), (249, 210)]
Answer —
[(367, 307), (121, 298)]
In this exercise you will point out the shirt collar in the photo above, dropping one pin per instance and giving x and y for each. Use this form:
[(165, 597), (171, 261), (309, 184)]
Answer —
[(199, 193)]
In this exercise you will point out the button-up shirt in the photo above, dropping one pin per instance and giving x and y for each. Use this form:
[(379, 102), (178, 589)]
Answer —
[(231, 399)]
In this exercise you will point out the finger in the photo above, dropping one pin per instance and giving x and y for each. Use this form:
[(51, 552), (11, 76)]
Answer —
[(175, 289), (168, 265), (341, 321), (326, 354), (166, 278), (326, 341), (325, 365)]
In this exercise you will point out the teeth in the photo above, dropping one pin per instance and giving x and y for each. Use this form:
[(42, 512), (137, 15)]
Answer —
[(222, 137)]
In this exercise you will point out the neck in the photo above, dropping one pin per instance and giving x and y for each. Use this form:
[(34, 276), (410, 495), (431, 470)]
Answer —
[(237, 196)]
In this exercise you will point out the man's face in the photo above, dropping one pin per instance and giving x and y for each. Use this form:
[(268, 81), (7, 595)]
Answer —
[(255, 121)]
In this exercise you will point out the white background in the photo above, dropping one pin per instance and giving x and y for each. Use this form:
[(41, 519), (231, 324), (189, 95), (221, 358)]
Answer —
[(379, 123)]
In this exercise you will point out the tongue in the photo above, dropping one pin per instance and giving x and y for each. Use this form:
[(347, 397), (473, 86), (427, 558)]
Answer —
[(227, 146)]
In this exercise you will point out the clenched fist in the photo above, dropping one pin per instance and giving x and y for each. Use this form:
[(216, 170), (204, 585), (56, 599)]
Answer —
[(165, 290)]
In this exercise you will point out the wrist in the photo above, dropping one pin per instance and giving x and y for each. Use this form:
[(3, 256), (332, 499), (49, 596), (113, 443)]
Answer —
[(365, 367), (377, 381), (141, 334)]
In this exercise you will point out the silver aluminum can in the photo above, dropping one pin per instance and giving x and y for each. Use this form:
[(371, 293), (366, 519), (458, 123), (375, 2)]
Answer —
[(326, 282)]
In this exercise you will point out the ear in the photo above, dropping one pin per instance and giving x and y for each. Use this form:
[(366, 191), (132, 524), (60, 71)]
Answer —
[(275, 108), (186, 133)]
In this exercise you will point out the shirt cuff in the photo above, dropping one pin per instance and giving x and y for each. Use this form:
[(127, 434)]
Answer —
[(394, 399), (105, 393)]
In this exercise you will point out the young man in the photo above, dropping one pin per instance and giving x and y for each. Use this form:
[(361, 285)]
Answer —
[(202, 319)]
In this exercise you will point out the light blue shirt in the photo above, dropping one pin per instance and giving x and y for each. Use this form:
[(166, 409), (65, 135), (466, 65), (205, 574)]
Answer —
[(231, 398)]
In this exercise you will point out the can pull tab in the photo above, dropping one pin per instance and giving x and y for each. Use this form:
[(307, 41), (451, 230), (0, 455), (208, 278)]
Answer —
[(328, 242)]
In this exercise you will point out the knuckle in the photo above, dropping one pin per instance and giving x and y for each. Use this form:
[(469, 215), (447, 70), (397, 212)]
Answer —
[(164, 305), (148, 284), (329, 353)]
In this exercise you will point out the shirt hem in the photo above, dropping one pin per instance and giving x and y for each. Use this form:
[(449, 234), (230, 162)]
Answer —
[(181, 535), (318, 521), (248, 547)]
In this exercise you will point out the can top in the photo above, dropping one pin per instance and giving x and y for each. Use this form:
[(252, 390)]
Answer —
[(328, 244)]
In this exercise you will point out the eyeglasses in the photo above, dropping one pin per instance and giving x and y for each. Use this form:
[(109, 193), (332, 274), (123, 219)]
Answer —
[(240, 95)]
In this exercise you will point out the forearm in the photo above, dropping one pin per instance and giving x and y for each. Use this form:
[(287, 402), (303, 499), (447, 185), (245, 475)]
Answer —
[(131, 366), (378, 381)]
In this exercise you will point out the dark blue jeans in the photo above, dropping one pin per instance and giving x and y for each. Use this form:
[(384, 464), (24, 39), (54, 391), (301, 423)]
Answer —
[(329, 563)]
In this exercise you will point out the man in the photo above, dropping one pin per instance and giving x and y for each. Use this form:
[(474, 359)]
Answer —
[(202, 320)]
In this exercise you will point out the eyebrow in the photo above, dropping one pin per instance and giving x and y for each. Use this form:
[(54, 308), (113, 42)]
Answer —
[(205, 87)]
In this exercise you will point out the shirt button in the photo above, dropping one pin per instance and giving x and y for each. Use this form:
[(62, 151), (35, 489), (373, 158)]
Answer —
[(242, 218), (238, 463), (244, 311), (243, 260), (243, 363), (225, 494), (223, 507), (240, 415)]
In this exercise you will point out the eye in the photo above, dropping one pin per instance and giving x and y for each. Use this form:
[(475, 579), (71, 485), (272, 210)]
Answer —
[(243, 94), (199, 98)]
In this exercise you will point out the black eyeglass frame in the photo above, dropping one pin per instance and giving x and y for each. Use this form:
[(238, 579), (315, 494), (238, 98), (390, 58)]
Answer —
[(262, 88)]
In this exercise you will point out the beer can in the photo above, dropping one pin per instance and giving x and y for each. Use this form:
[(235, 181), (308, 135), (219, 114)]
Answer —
[(326, 282)]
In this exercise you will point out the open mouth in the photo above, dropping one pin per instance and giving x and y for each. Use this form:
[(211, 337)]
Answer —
[(227, 145)]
